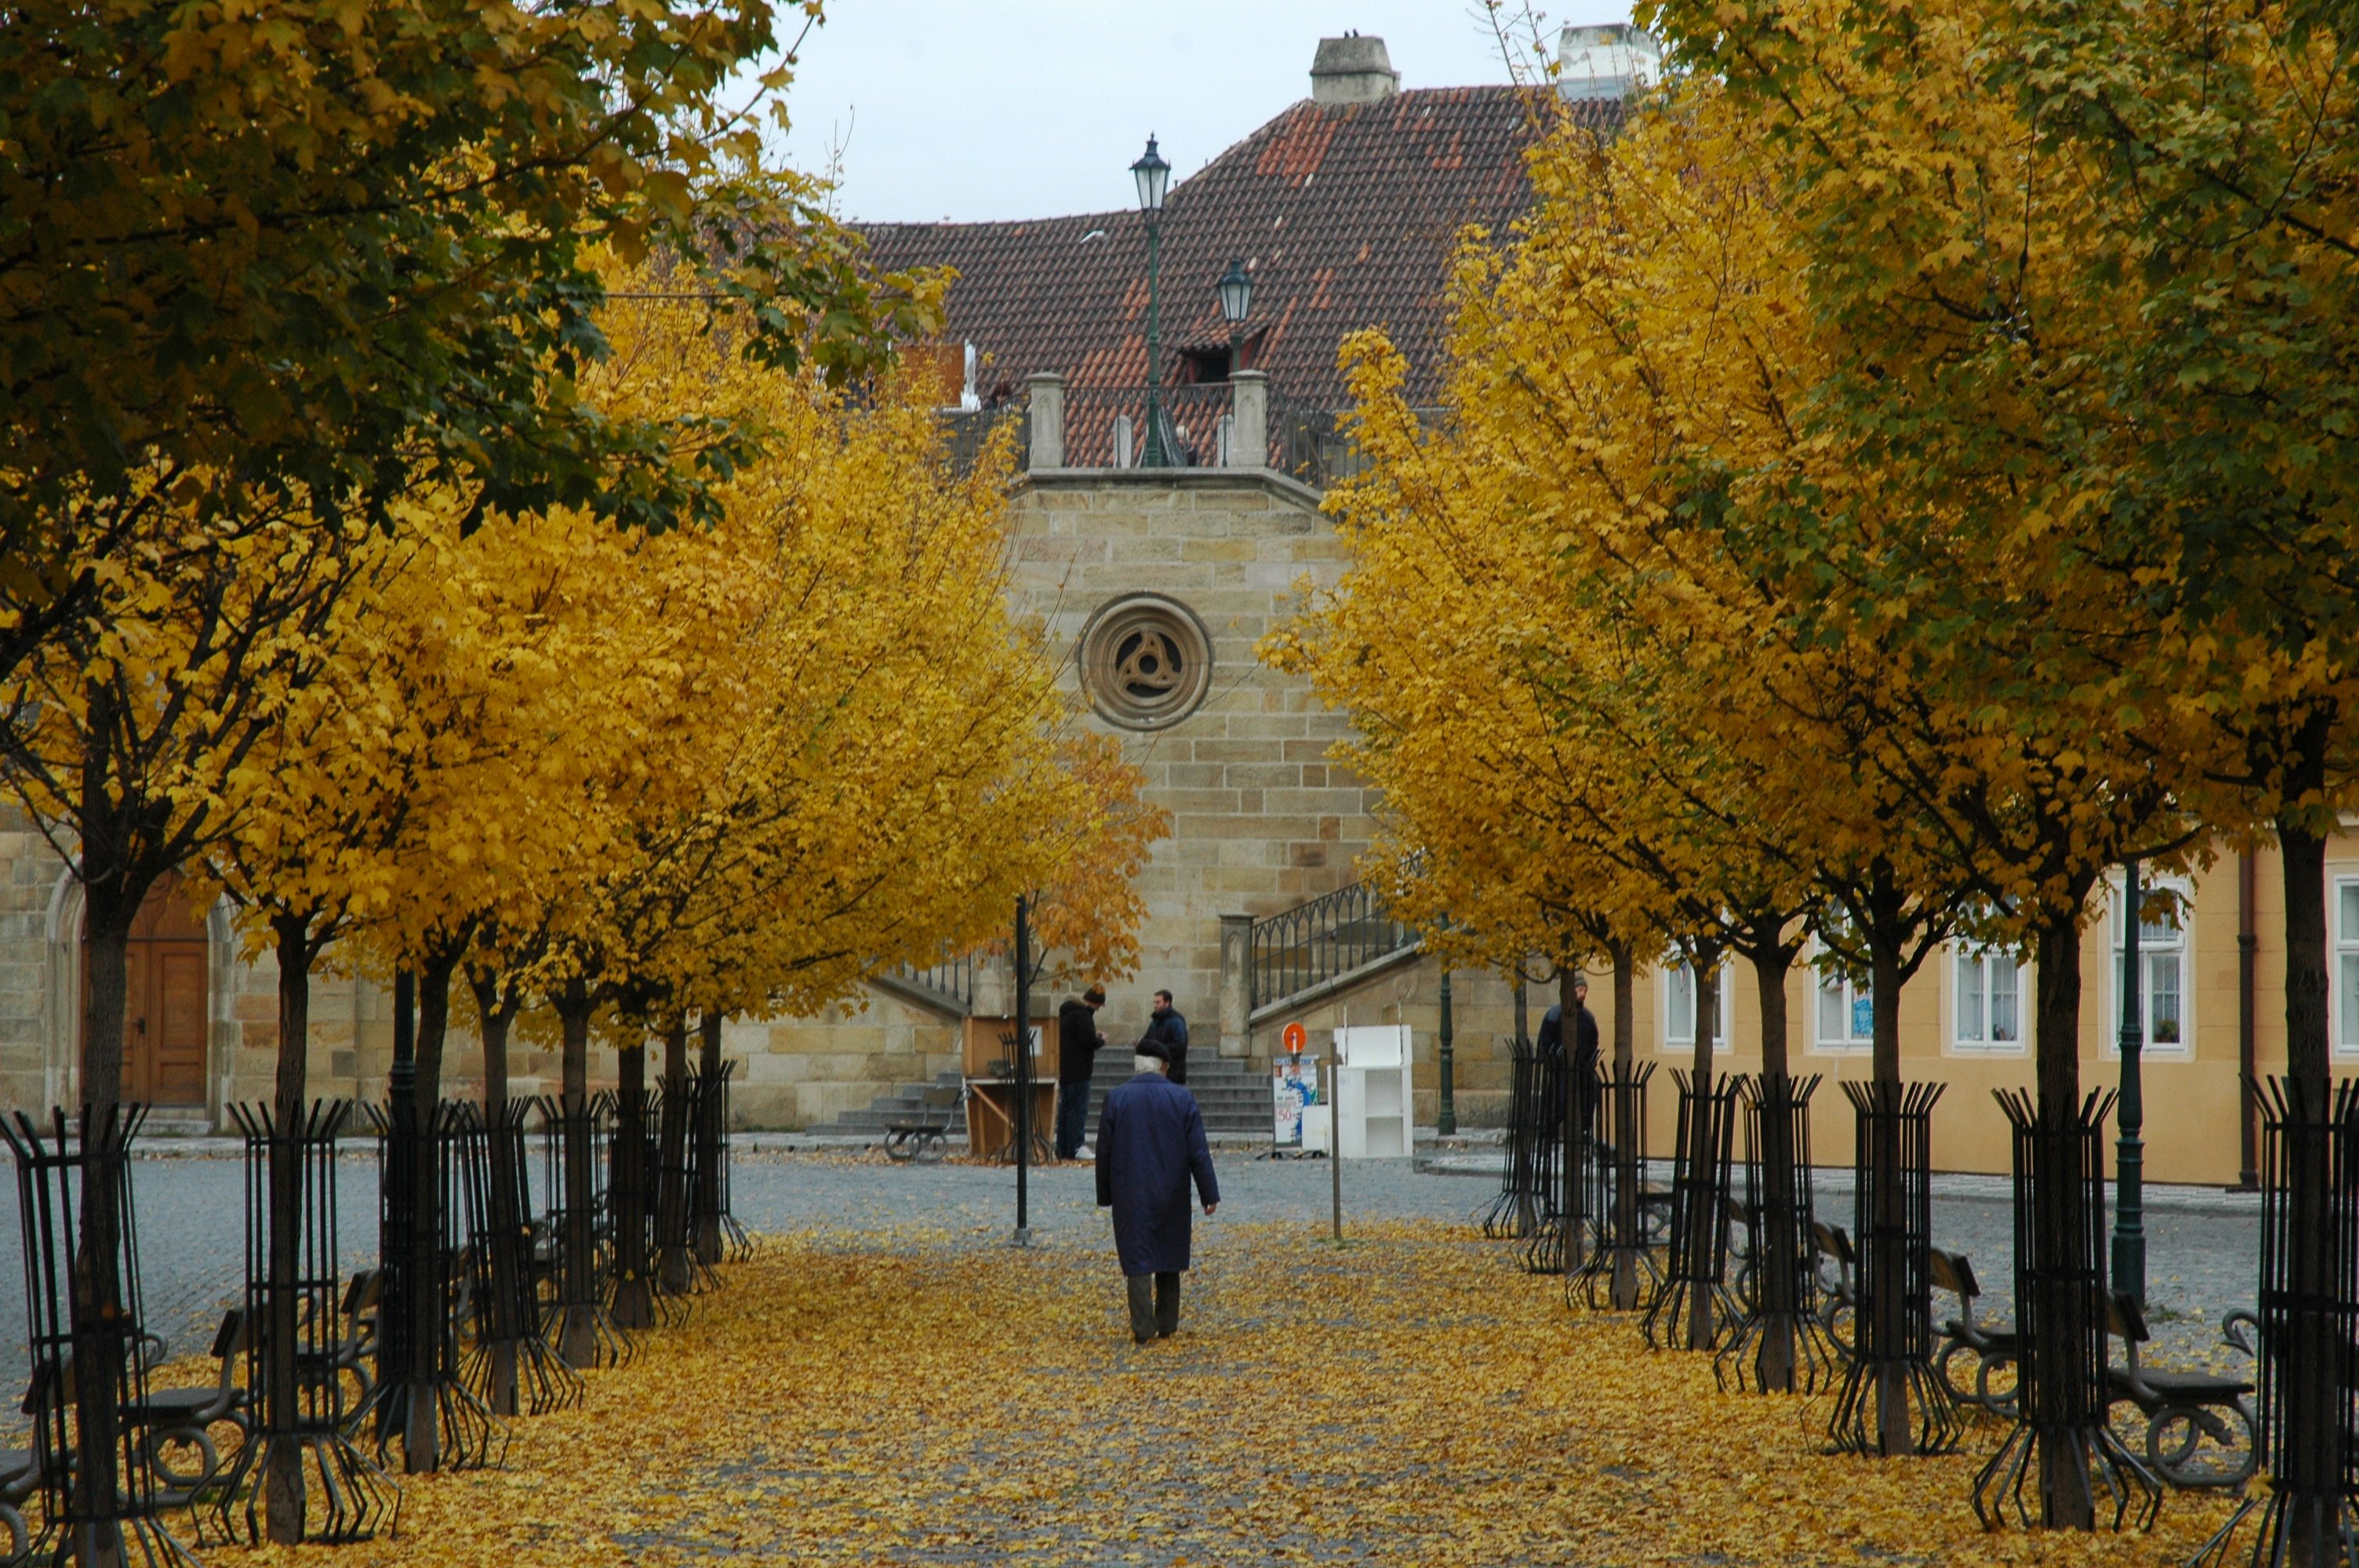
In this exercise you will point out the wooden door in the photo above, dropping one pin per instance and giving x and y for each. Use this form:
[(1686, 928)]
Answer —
[(166, 973)]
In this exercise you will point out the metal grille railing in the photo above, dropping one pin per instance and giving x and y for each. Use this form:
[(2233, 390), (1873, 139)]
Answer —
[(1105, 427), (965, 431), (952, 977), (1314, 444), (1319, 941)]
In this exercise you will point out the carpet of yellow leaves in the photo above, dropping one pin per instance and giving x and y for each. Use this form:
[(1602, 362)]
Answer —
[(1407, 1398)]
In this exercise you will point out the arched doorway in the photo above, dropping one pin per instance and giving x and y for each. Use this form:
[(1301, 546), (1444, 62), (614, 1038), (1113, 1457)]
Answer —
[(167, 971)]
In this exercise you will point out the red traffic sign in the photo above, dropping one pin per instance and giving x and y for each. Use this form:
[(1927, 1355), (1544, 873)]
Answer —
[(1296, 1037)]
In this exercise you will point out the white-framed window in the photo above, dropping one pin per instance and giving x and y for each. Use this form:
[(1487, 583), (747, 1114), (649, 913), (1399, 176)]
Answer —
[(1679, 1007), (1990, 1012), (2345, 990), (1845, 1013), (2164, 967)]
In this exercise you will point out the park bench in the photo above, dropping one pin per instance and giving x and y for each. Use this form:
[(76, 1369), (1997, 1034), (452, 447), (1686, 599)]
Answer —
[(1742, 1223), (1838, 1291), (1977, 1359), (172, 1420), (1654, 1202), (922, 1135), (2200, 1430), (20, 1477)]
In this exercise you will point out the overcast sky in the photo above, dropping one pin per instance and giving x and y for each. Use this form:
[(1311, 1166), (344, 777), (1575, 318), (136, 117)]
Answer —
[(984, 109)]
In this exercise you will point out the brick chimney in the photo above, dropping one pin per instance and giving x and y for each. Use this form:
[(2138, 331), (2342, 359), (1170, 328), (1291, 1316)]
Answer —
[(1353, 70)]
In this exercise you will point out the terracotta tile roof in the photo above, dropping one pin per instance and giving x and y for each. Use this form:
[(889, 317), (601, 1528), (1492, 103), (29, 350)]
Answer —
[(1345, 215)]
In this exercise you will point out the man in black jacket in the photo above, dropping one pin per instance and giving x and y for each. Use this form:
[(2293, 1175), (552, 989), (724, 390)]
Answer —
[(1077, 1042), (1167, 1032)]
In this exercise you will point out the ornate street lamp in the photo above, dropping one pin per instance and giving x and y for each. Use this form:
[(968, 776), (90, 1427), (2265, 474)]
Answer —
[(1235, 291), (1154, 178), (2129, 1149)]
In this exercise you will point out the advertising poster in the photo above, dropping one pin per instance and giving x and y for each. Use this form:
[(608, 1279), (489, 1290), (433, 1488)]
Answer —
[(1294, 1083)]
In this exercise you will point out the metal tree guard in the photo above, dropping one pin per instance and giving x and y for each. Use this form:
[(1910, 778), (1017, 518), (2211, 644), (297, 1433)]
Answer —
[(1780, 1346), (678, 1271), (432, 1192), (715, 1228), (1891, 1371), (1620, 1272), (1515, 1210), (2308, 1438), (1694, 1309), (631, 1297), (1561, 1242), (1543, 1197), (84, 1323), (2060, 1434), (512, 1366), (303, 1360), (575, 1132)]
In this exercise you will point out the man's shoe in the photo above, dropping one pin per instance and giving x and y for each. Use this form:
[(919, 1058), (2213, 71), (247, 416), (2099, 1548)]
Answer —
[(1085, 1153)]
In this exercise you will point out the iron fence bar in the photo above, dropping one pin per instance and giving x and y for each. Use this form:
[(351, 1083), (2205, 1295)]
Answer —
[(1319, 941)]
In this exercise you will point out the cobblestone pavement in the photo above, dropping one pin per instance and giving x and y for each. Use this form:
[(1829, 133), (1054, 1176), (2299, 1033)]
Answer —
[(2201, 1247)]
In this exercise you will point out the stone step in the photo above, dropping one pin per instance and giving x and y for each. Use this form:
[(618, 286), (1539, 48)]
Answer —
[(1234, 1095)]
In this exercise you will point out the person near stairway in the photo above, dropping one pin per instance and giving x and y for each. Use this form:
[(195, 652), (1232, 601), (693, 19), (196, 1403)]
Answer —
[(1167, 1032), (1150, 1145), (1079, 1040)]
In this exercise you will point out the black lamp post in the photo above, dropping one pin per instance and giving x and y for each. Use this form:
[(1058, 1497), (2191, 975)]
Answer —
[(1154, 178), (1023, 1118), (1235, 290), (1445, 1120), (2129, 1149)]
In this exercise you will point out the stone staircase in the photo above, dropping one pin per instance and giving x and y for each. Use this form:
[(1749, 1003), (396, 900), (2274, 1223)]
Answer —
[(1232, 1092), (1233, 1095)]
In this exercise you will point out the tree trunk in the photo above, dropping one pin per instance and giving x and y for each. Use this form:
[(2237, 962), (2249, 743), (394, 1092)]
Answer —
[(108, 909), (2059, 1240), (577, 1337), (429, 1297), (707, 1135), (282, 1459), (627, 1193), (1574, 1111), (1774, 1263), (507, 1224), (1703, 1166), (112, 889), (1886, 1260), (672, 1264), (1626, 1174), (2308, 1463), (111, 900)]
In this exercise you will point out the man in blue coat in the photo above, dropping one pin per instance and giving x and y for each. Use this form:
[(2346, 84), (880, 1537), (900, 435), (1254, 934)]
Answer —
[(1150, 1142)]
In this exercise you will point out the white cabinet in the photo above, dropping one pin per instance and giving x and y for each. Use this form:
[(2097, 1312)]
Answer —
[(1373, 1101)]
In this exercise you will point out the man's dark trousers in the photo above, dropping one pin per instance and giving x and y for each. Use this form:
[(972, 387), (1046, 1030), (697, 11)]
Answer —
[(1073, 1118), (1154, 1305)]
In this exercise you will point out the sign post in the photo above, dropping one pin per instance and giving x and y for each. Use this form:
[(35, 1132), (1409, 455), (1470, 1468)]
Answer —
[(1335, 1143)]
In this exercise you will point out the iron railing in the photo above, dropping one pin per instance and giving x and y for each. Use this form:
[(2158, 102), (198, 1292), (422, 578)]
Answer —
[(965, 432), (1105, 427), (1314, 444), (1323, 940), (952, 979)]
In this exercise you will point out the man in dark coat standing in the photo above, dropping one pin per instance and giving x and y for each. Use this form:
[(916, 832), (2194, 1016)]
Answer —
[(1077, 1047), (1168, 1030), (1150, 1142), (1584, 1055)]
